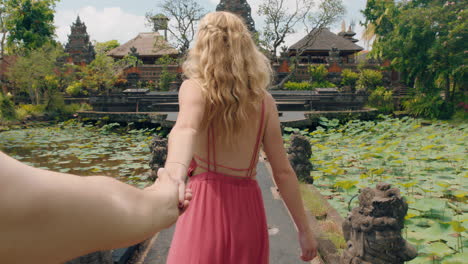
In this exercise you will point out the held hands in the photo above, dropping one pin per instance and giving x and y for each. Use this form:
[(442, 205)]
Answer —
[(179, 197), (308, 245)]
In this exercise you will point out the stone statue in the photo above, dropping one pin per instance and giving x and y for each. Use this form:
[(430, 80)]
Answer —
[(158, 150), (373, 230), (334, 56), (300, 152)]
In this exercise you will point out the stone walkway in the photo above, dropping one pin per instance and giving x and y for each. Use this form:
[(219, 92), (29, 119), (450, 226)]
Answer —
[(284, 246)]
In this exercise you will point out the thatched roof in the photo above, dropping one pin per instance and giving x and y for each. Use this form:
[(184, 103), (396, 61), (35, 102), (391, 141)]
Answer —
[(147, 44), (324, 41)]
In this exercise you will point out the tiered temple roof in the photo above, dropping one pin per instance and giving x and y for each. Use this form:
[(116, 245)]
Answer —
[(79, 45), (239, 7), (324, 40)]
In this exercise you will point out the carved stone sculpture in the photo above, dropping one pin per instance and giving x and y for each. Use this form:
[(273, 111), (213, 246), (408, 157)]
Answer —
[(334, 56), (300, 152), (158, 150), (373, 230)]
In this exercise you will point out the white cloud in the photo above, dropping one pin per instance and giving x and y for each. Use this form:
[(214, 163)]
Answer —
[(102, 25)]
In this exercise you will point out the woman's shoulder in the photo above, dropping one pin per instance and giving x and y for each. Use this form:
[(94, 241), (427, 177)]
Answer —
[(192, 83)]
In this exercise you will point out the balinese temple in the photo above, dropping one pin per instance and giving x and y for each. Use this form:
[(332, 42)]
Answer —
[(79, 46), (324, 46), (239, 7), (148, 48)]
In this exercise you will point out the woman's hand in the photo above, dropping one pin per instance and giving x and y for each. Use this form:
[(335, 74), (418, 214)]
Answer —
[(178, 173), (308, 245), (183, 194)]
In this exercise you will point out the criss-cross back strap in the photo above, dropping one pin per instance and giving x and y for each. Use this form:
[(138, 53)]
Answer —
[(211, 147)]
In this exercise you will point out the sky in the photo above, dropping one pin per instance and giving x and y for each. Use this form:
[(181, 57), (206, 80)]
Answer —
[(123, 19)]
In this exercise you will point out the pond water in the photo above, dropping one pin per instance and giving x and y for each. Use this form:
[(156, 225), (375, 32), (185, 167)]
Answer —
[(427, 161), (73, 147)]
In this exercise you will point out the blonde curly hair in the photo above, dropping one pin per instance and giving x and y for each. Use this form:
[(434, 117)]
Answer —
[(233, 73)]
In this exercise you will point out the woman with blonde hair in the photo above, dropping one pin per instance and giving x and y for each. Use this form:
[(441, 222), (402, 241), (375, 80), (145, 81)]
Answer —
[(225, 115)]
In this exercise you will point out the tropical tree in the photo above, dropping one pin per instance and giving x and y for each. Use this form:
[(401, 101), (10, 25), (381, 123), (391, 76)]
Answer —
[(29, 23), (29, 72), (185, 14), (426, 41), (104, 47), (281, 21)]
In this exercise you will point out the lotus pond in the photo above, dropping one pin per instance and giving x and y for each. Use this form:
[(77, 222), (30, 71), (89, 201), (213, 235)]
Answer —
[(82, 149), (427, 161)]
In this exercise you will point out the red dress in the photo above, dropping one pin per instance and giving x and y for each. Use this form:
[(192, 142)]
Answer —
[(225, 222)]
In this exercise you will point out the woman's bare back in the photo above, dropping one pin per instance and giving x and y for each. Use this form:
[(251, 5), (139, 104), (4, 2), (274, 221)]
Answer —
[(238, 156)]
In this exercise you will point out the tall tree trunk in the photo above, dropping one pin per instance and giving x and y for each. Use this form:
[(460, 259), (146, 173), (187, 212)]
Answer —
[(447, 87)]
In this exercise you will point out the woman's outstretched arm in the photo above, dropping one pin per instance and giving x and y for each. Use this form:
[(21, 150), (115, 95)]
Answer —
[(50, 217), (286, 180), (183, 134)]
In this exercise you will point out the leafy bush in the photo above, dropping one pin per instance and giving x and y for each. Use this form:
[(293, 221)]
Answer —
[(428, 106), (323, 84), (318, 73), (76, 89), (73, 108), (55, 105), (369, 80), (25, 110), (349, 78), (302, 86), (7, 108), (165, 79), (382, 99)]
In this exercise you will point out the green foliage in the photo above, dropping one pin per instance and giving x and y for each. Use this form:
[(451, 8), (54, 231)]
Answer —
[(166, 77), (29, 72), (76, 89), (318, 73), (165, 80), (369, 80), (166, 60), (55, 105), (428, 106), (349, 78), (30, 110), (104, 47), (7, 108), (323, 84), (302, 86), (424, 40), (319, 77), (382, 99), (30, 24)]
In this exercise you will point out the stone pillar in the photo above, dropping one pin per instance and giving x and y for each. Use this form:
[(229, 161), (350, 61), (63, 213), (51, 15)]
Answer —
[(373, 230), (300, 152), (158, 150)]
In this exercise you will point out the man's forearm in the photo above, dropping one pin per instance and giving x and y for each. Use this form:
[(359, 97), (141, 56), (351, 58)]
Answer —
[(67, 215)]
